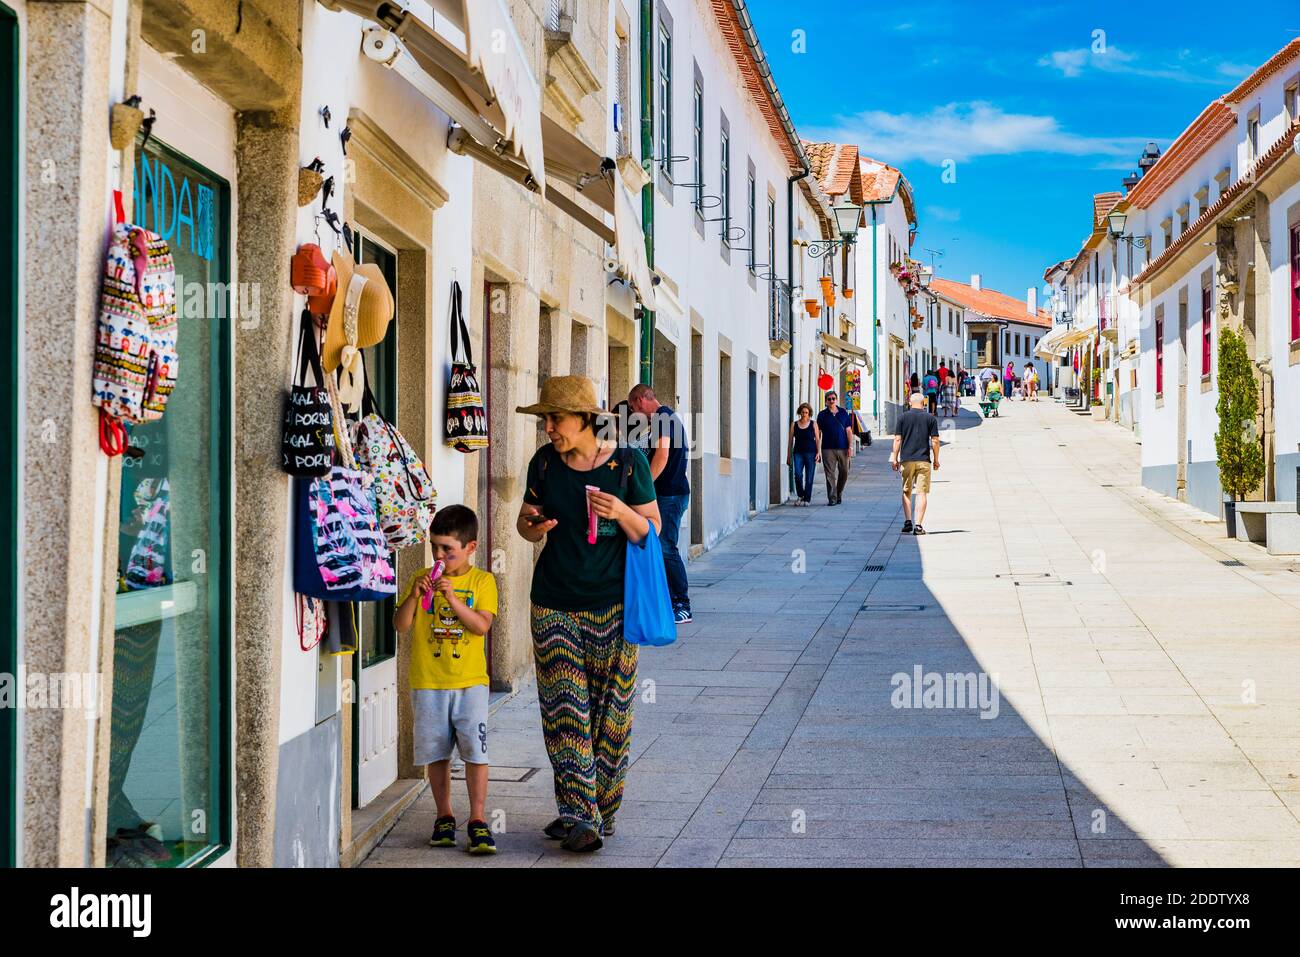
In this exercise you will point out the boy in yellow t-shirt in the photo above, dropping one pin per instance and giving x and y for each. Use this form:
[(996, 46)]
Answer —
[(447, 619)]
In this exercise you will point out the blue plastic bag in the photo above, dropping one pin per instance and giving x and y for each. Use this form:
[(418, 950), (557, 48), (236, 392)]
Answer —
[(647, 607)]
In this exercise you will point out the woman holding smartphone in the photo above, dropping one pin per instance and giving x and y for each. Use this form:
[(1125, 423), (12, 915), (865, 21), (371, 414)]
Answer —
[(578, 483)]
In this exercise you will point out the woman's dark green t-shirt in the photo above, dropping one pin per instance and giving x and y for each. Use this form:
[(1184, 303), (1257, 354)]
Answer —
[(570, 574)]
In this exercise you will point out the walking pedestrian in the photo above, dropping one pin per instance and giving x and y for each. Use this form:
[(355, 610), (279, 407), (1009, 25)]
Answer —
[(667, 451), (834, 447), (802, 453), (930, 386), (586, 497), (915, 454), (1008, 378)]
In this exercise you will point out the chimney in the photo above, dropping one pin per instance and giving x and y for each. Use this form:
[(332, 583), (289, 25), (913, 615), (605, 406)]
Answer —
[(975, 281), (1031, 301)]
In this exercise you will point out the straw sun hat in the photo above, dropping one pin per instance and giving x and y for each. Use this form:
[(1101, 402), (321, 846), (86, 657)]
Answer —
[(360, 314), (566, 393)]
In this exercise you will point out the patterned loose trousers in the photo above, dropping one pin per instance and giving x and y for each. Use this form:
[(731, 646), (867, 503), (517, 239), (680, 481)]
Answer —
[(586, 680)]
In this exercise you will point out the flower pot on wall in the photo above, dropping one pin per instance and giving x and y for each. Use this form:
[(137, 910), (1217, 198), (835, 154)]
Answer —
[(848, 292), (814, 308), (809, 305), (830, 299), (828, 286)]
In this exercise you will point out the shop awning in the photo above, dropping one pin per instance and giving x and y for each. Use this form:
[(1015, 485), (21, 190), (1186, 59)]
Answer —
[(1049, 346), (845, 350), (480, 78)]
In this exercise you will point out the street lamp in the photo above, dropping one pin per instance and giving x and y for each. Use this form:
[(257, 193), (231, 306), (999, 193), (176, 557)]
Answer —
[(927, 273), (1116, 219), (847, 217)]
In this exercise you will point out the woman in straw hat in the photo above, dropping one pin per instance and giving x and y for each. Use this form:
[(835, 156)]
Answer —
[(587, 496)]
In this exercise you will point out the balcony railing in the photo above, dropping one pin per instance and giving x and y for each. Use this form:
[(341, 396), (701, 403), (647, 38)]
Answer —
[(778, 311)]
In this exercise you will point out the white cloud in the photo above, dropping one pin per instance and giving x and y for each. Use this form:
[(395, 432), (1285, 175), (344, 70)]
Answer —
[(1187, 68), (962, 131), (942, 214)]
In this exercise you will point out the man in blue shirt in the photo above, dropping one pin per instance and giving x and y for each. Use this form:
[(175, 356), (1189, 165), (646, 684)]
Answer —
[(667, 450), (834, 447)]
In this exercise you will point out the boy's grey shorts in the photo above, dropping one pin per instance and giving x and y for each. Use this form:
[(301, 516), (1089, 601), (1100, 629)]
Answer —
[(442, 716)]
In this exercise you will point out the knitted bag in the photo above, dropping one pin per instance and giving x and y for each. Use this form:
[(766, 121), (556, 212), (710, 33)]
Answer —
[(405, 498), (135, 345), (467, 419)]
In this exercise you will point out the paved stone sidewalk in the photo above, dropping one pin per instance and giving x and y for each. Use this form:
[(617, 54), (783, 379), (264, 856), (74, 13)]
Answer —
[(1149, 707)]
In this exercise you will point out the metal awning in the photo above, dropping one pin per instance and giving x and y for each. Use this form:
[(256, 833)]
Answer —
[(486, 87), (844, 350), (480, 78)]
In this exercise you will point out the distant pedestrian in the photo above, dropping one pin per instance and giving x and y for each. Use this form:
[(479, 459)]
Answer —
[(915, 455), (987, 376), (1008, 378), (834, 446), (914, 383), (802, 453), (666, 448), (1031, 382), (930, 386), (585, 497)]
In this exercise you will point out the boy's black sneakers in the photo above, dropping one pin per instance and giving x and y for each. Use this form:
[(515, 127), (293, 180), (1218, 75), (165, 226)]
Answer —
[(907, 526), (480, 838), (444, 832)]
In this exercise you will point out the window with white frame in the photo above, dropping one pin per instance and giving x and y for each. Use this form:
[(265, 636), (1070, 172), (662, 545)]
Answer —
[(697, 135)]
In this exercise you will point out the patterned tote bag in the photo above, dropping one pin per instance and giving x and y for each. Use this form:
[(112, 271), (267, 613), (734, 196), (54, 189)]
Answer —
[(466, 416), (405, 498)]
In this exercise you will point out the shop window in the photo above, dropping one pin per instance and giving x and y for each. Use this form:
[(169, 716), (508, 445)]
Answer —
[(169, 765)]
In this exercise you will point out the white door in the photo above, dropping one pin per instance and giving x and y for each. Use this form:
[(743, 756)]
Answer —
[(375, 747)]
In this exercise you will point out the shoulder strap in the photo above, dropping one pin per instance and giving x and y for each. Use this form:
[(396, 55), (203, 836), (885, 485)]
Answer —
[(459, 329), (308, 351)]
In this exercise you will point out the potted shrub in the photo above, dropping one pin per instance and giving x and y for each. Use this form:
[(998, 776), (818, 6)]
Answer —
[(1240, 458)]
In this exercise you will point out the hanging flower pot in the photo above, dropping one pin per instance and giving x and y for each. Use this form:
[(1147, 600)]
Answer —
[(809, 305), (848, 292), (830, 299), (828, 287)]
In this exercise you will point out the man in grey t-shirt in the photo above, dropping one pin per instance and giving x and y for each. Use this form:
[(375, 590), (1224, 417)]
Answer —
[(915, 454)]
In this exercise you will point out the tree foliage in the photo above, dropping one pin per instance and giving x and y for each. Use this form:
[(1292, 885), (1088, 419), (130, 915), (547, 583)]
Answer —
[(1241, 459)]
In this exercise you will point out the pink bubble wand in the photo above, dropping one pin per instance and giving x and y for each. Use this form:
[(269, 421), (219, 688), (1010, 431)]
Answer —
[(592, 519), (435, 572)]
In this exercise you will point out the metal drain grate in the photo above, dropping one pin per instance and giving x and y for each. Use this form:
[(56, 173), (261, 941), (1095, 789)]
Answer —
[(1232, 563), (889, 606), (875, 568)]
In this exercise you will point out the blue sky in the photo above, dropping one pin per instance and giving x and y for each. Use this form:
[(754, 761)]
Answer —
[(1036, 107)]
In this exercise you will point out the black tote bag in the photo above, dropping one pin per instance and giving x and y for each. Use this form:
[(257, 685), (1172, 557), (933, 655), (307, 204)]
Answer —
[(307, 442)]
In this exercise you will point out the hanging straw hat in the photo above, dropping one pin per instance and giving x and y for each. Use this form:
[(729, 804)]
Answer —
[(566, 393), (360, 313)]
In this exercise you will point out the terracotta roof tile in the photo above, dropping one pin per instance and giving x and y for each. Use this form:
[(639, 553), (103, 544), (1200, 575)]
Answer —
[(1260, 76), (836, 167), (1193, 143), (991, 303), (1102, 204), (1273, 157), (724, 12)]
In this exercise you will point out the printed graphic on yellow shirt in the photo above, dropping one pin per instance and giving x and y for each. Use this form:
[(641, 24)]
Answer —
[(447, 631)]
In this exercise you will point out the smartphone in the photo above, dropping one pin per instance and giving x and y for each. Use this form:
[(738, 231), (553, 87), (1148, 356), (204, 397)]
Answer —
[(535, 519)]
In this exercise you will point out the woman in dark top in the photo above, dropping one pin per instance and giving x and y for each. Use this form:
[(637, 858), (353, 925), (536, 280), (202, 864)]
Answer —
[(586, 672), (803, 453)]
